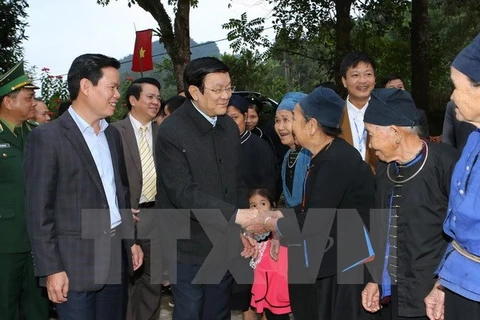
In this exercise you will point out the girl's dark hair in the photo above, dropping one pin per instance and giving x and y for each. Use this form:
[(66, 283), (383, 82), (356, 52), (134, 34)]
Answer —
[(263, 192), (255, 104)]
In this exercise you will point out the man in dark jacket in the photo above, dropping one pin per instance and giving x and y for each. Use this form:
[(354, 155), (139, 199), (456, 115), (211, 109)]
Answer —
[(412, 184), (197, 153)]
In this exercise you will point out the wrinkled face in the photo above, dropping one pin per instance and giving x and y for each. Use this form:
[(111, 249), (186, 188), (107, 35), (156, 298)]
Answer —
[(238, 117), (382, 141), (103, 98), (359, 81), (252, 119), (396, 84), (300, 127), (283, 127), (466, 97), (148, 104), (22, 107), (259, 202), (42, 113), (216, 94)]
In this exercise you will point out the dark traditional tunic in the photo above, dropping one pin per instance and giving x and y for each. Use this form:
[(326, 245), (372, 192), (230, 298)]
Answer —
[(338, 178), (257, 163), (414, 238)]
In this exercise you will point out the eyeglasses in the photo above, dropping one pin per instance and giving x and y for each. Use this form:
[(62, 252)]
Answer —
[(219, 91), (152, 97)]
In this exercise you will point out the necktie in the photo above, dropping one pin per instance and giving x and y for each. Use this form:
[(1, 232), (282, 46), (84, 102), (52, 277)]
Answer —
[(149, 175)]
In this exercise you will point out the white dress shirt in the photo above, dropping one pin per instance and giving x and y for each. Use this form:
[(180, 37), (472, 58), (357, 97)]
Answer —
[(98, 146), (359, 134)]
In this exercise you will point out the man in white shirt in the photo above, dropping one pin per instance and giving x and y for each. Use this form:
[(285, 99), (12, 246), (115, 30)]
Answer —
[(358, 77), (138, 131)]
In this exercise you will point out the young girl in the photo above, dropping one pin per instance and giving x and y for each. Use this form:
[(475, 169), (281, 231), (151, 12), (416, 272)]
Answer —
[(270, 286)]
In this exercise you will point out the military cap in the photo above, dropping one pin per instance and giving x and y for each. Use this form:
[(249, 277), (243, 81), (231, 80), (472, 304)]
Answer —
[(14, 79)]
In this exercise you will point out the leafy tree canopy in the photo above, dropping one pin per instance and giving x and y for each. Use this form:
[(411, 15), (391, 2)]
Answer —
[(12, 26)]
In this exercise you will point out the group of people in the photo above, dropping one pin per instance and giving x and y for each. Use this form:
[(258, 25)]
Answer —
[(363, 190)]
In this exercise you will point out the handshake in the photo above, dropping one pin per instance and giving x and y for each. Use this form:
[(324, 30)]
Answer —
[(258, 221)]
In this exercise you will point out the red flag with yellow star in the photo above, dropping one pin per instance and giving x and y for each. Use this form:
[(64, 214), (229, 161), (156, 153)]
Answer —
[(142, 54)]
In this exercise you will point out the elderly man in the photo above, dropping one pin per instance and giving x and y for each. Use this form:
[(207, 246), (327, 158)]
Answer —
[(42, 114), (198, 167), (17, 279), (456, 295), (412, 184)]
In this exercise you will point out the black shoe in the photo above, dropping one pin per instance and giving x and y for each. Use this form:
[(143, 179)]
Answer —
[(166, 290)]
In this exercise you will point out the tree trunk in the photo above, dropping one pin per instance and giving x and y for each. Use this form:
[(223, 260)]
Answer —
[(343, 27), (419, 54), (177, 40)]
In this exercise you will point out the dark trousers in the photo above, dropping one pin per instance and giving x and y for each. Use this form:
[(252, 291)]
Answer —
[(460, 308), (271, 316), (390, 311), (19, 287), (200, 301), (106, 303), (144, 297), (94, 305), (327, 300)]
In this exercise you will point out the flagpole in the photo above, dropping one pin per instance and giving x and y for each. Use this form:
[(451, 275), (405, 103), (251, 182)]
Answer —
[(141, 64)]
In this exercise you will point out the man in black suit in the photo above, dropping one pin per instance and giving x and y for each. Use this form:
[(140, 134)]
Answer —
[(198, 152), (74, 167), (138, 131)]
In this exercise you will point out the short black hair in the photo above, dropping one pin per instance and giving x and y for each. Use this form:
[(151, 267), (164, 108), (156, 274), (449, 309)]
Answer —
[(135, 89), (352, 59), (88, 66), (174, 103), (389, 78), (196, 71), (257, 105), (263, 192)]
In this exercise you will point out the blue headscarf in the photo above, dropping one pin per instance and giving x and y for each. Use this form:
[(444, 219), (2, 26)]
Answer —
[(303, 161), (295, 197)]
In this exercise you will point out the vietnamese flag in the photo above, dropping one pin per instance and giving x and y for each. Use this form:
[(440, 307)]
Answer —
[(142, 54)]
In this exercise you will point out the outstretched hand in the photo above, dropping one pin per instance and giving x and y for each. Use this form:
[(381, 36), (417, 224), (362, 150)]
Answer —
[(265, 221)]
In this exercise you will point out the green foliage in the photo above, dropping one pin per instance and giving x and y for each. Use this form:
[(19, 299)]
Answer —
[(53, 91), (244, 34), (12, 26), (249, 72), (121, 111)]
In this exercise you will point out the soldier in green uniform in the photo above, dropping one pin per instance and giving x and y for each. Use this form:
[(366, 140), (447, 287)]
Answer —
[(19, 287)]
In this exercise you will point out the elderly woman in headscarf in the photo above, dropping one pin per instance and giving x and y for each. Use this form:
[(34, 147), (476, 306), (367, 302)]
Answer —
[(412, 185), (297, 159), (337, 178), (457, 292)]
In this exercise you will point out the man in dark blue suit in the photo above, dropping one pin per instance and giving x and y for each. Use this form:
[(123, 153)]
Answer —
[(74, 167)]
